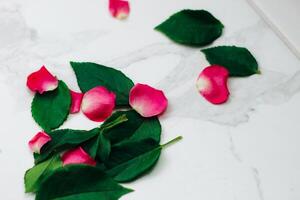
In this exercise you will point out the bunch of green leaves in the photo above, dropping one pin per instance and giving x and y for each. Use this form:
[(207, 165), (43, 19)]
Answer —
[(198, 28), (125, 146)]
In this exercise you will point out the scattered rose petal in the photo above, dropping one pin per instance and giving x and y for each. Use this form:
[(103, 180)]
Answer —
[(119, 8), (98, 104), (42, 81), (212, 84), (147, 101), (77, 156), (76, 101), (38, 141)]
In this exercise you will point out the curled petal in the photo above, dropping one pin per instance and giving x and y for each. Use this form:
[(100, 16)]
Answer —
[(42, 81), (38, 141), (98, 104), (212, 84), (147, 101), (119, 8), (76, 101), (77, 156)]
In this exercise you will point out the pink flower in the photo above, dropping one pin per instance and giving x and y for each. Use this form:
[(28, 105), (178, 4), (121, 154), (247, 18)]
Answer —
[(147, 101), (212, 84), (98, 103), (42, 81), (38, 141), (119, 8), (76, 102), (77, 156)]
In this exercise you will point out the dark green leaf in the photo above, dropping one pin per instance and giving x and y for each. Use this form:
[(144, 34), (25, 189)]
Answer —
[(34, 175), (192, 27), (239, 61), (105, 148), (80, 182), (90, 75), (136, 128), (64, 139), (131, 160), (51, 109), (99, 146)]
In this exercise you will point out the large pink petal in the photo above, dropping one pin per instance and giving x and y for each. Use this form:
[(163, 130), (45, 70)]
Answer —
[(212, 84), (77, 156), (76, 102), (38, 141), (119, 8), (147, 101), (42, 81), (98, 104)]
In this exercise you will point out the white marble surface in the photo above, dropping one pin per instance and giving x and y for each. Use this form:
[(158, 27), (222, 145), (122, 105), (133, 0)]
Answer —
[(283, 17), (247, 149)]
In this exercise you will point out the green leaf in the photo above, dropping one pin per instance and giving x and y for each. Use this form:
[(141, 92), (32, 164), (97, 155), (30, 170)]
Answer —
[(64, 139), (192, 27), (34, 175), (80, 182), (51, 109), (104, 148), (136, 128), (239, 61), (131, 160), (90, 75), (99, 146)]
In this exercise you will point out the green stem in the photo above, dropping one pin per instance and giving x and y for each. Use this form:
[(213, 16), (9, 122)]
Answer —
[(114, 123), (171, 142)]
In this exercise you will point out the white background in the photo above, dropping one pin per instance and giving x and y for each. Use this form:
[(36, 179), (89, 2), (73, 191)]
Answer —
[(246, 149)]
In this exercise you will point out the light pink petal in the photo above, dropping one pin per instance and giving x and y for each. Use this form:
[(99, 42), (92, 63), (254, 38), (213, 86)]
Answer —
[(38, 141), (76, 101), (42, 81), (119, 8), (98, 104), (212, 84), (147, 101), (77, 156)]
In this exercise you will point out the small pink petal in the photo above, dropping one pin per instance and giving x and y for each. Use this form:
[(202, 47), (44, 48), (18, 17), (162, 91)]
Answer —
[(212, 84), (76, 101), (77, 156), (42, 81), (147, 101), (38, 141), (98, 104), (119, 8)]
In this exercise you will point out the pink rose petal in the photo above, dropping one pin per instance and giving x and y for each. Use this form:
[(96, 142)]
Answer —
[(76, 101), (119, 8), (77, 156), (212, 84), (42, 81), (98, 104), (38, 141), (147, 101)]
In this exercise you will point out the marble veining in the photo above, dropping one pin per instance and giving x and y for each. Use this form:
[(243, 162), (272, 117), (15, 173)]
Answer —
[(222, 154)]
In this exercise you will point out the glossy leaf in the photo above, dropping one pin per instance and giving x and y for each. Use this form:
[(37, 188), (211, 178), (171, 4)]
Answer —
[(51, 109), (34, 175), (64, 139), (100, 146), (238, 60), (77, 182), (90, 75), (131, 160), (136, 128), (192, 27)]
